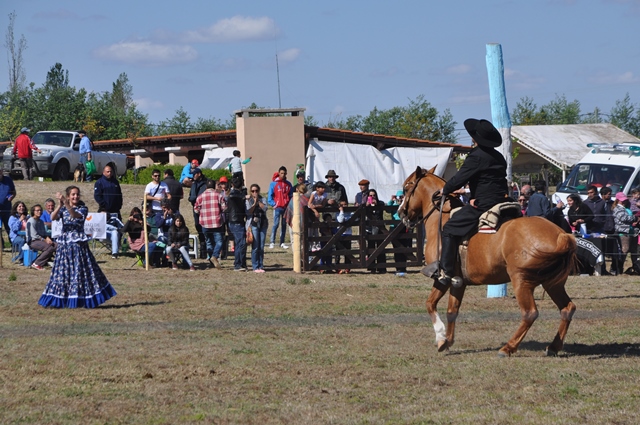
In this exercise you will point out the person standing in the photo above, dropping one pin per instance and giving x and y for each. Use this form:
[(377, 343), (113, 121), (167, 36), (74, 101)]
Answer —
[(156, 191), (38, 239), (361, 197), (175, 190), (335, 191), (23, 150), (279, 196), (258, 223), (76, 279), (236, 215), (198, 185), (85, 151), (7, 194), (210, 206), (235, 166), (108, 194)]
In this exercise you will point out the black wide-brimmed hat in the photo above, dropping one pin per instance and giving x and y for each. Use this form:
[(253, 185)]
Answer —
[(483, 132)]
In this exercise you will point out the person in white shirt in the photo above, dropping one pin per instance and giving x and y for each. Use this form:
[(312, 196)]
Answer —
[(156, 191)]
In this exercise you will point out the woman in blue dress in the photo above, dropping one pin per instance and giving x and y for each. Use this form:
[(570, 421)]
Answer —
[(76, 279)]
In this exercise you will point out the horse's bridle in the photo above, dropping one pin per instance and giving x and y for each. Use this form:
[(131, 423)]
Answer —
[(434, 205)]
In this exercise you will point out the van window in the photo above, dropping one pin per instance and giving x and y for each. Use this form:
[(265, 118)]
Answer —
[(598, 175)]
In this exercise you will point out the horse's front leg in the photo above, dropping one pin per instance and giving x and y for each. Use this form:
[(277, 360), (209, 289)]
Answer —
[(437, 292), (455, 300)]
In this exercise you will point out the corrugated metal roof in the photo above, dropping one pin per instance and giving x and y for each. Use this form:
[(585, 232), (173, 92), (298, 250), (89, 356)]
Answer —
[(565, 145)]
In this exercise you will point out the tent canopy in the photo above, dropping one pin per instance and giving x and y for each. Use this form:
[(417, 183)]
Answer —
[(560, 145)]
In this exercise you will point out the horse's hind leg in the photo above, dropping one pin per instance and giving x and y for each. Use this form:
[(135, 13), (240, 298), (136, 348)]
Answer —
[(559, 296), (529, 312), (437, 292)]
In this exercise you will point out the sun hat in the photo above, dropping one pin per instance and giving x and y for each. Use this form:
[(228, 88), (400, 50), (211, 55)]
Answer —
[(195, 162), (483, 132), (331, 173), (223, 179), (24, 130), (400, 193), (363, 182), (620, 196)]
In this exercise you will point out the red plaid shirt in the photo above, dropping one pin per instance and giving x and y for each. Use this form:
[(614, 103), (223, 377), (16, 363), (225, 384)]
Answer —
[(210, 205)]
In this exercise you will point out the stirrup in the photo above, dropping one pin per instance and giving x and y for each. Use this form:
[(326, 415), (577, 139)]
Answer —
[(446, 280), (431, 270)]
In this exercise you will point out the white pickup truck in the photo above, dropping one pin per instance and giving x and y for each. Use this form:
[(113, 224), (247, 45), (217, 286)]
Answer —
[(60, 154)]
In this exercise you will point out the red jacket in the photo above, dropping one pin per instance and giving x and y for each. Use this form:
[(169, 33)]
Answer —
[(24, 146)]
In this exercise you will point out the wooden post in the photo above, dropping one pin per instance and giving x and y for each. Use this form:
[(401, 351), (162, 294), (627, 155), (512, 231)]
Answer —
[(146, 236), (295, 223), (502, 121)]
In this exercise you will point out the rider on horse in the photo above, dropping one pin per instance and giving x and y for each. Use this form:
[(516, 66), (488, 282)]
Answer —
[(485, 170)]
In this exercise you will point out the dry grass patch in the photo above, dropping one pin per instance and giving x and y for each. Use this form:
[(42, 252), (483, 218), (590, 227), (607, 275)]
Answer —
[(224, 347)]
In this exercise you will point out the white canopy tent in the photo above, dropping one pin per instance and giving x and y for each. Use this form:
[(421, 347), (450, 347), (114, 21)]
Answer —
[(560, 145)]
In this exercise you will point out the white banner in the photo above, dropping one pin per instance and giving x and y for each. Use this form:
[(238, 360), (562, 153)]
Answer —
[(95, 225), (386, 170), (56, 228)]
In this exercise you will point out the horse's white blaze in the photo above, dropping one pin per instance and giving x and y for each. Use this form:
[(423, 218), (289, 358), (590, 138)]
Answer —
[(438, 327)]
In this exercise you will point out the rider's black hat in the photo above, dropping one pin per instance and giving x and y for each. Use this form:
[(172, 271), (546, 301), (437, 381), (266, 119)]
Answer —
[(483, 132)]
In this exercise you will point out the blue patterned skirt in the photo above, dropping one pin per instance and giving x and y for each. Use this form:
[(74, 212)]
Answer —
[(76, 279)]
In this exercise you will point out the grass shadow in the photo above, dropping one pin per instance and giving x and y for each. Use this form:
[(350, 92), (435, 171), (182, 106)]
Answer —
[(144, 303)]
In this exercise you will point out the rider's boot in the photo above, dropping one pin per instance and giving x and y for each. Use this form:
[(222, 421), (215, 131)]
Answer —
[(448, 262)]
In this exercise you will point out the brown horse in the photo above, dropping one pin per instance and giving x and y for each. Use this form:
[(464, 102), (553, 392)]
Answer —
[(528, 251)]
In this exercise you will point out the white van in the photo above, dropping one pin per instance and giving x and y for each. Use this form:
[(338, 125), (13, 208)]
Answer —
[(616, 165)]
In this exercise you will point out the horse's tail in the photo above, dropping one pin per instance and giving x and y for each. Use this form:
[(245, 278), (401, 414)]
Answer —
[(554, 266)]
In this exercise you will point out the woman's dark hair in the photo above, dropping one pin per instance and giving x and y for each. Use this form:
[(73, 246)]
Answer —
[(375, 194), (135, 210), (256, 185), (70, 188), (577, 200), (176, 218), (14, 208), (626, 203), (34, 207)]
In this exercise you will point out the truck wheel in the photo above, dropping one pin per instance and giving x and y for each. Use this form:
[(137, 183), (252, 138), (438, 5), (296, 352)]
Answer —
[(61, 172)]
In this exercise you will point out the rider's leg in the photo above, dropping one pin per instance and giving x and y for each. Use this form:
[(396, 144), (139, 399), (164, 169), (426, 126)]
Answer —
[(448, 258)]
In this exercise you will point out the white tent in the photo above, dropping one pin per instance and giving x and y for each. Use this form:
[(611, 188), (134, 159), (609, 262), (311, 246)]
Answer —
[(386, 170)]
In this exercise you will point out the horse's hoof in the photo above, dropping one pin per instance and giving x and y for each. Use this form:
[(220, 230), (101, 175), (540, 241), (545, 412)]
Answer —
[(443, 345), (550, 353), (503, 354)]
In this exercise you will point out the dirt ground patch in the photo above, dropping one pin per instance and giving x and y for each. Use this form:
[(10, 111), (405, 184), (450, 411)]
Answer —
[(226, 347)]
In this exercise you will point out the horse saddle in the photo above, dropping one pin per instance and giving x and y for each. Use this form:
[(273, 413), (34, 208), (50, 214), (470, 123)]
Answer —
[(491, 220)]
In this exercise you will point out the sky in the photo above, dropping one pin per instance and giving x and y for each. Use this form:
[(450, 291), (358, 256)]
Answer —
[(335, 58)]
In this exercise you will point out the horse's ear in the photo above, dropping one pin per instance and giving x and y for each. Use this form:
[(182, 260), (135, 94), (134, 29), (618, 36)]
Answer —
[(418, 171), (432, 170)]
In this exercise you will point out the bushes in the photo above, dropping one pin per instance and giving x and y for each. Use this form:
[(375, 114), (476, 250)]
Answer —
[(144, 174)]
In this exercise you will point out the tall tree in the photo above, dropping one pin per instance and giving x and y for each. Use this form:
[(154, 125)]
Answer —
[(418, 120), (626, 116), (558, 111), (17, 76)]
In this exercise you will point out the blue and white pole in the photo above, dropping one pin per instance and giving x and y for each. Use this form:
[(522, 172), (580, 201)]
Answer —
[(502, 121)]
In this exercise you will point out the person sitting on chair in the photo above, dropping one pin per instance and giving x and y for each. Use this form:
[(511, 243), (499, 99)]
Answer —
[(179, 242), (485, 170), (38, 239)]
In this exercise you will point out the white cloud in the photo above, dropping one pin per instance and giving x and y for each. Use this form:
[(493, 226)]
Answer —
[(289, 55), (146, 53), (145, 104), (624, 78), (237, 28), (460, 69)]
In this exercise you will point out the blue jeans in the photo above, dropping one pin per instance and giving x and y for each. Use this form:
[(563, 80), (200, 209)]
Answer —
[(257, 248), (155, 253), (240, 252), (278, 219), (214, 238), (114, 235)]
